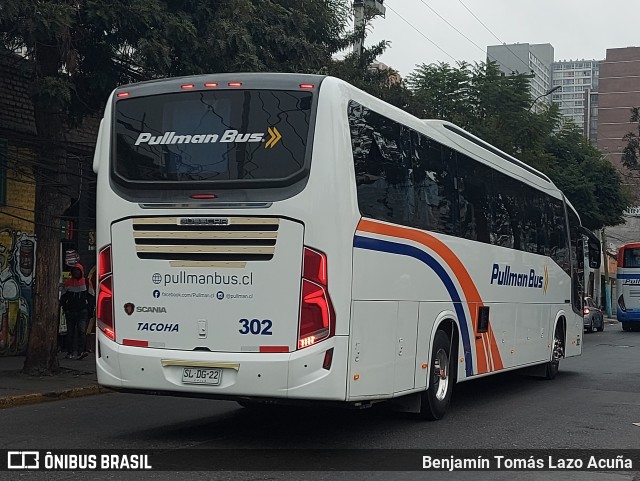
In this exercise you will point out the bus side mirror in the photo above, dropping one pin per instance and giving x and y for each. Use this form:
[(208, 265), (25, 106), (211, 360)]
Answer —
[(593, 244)]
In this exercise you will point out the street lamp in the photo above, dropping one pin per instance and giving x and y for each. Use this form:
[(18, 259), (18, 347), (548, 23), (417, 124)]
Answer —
[(376, 8), (549, 92)]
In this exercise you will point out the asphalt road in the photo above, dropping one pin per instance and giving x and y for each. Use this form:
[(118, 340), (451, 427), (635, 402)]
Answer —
[(592, 404)]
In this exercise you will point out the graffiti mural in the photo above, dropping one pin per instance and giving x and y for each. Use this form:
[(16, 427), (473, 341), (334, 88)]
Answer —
[(17, 271)]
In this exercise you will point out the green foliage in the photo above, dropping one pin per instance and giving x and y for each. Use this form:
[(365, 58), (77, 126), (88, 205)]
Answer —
[(53, 93), (442, 92), (588, 180), (96, 45), (498, 109), (631, 151)]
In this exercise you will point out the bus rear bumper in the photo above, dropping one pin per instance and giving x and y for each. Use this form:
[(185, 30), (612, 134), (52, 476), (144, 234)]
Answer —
[(628, 316), (295, 375)]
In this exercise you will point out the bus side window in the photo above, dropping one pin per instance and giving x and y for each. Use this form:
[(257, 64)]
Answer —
[(577, 260), (433, 184), (558, 235), (381, 155), (474, 185)]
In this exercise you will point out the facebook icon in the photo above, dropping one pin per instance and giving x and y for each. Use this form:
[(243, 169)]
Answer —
[(156, 293)]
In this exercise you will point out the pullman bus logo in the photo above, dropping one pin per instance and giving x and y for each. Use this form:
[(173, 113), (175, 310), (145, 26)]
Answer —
[(229, 136), (129, 308)]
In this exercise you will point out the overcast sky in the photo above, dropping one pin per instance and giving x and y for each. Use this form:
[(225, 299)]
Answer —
[(577, 29)]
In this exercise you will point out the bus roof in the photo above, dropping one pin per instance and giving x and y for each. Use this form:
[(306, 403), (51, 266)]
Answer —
[(630, 245), (486, 145), (223, 80)]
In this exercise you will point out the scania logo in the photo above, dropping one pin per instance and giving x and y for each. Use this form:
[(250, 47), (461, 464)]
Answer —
[(129, 308), (159, 310), (203, 221)]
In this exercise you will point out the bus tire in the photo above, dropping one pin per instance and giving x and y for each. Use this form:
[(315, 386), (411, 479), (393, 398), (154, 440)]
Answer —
[(557, 353), (436, 398), (626, 326)]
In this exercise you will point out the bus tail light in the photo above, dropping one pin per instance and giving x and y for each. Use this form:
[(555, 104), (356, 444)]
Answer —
[(621, 303), (317, 317), (104, 310)]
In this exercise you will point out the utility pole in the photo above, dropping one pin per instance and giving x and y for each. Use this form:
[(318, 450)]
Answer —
[(359, 20), (607, 288)]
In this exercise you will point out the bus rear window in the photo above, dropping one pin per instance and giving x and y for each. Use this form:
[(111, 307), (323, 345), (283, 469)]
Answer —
[(631, 257), (226, 136)]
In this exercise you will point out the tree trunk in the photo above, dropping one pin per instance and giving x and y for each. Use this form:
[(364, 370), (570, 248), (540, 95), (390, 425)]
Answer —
[(51, 200), (43, 340)]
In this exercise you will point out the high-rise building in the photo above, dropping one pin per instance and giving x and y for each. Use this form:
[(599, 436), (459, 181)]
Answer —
[(619, 91), (527, 59), (577, 95)]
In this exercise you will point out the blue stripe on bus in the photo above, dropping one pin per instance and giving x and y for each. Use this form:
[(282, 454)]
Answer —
[(405, 250), (628, 276)]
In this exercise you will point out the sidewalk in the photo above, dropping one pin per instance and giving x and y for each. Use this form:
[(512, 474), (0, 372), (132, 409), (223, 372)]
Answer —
[(76, 378)]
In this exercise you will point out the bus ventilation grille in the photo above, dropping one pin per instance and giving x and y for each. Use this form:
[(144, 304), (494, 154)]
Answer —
[(206, 239)]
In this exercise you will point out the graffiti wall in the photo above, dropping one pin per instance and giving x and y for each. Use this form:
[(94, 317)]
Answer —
[(17, 270)]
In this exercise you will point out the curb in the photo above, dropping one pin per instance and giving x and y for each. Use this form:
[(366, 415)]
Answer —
[(34, 398)]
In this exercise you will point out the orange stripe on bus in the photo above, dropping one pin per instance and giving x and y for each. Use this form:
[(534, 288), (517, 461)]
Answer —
[(471, 293)]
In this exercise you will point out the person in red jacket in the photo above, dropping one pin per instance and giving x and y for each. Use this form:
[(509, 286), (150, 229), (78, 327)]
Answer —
[(77, 301)]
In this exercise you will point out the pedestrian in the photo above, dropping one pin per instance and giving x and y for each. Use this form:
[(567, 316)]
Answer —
[(77, 302)]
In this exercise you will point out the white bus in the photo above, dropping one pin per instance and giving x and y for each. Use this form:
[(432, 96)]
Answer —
[(628, 286), (287, 238)]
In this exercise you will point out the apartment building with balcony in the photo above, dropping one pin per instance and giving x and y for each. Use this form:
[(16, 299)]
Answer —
[(577, 97)]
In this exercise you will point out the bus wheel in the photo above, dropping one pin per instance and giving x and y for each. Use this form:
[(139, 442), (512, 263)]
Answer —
[(436, 398), (556, 355), (626, 326)]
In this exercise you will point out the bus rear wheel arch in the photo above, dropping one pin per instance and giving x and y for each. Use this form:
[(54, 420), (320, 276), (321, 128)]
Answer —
[(557, 349), (442, 372)]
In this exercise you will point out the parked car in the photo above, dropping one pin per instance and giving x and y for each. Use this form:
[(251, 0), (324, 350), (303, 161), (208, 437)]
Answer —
[(593, 316)]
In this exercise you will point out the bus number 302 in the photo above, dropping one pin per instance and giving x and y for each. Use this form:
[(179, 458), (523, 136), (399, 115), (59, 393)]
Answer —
[(256, 326)]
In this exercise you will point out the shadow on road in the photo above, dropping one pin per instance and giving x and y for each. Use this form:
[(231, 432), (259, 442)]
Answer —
[(276, 426)]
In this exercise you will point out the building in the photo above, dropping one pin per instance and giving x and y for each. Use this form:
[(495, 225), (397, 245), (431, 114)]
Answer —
[(619, 91), (394, 77), (577, 96), (526, 58), (19, 149)]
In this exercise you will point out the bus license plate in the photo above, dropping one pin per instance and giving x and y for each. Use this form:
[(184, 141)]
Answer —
[(201, 375)]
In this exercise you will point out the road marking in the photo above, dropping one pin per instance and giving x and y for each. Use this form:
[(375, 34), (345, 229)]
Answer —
[(636, 424)]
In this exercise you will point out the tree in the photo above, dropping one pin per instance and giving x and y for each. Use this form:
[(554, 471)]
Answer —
[(631, 151), (442, 92), (81, 50), (497, 108), (589, 181)]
